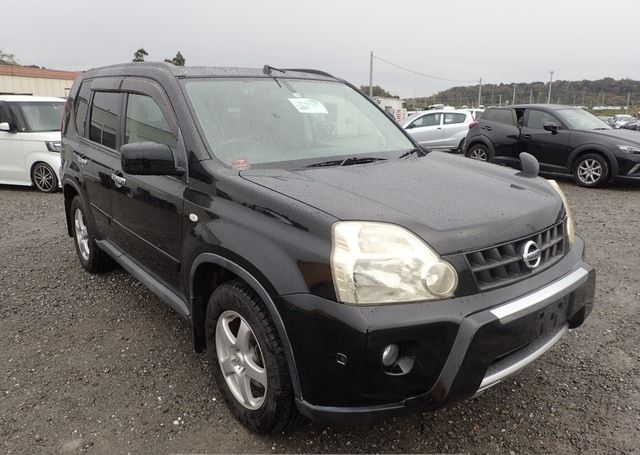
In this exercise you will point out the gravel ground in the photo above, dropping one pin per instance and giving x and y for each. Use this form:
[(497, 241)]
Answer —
[(97, 364)]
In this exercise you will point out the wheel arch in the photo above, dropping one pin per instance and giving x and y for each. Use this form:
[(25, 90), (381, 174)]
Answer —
[(69, 190), (598, 150), (208, 271), (479, 140)]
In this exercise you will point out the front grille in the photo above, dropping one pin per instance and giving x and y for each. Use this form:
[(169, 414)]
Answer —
[(504, 264)]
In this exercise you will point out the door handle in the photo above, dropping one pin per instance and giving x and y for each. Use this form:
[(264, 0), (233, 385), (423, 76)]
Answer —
[(439, 128), (118, 181), (82, 160), (527, 136)]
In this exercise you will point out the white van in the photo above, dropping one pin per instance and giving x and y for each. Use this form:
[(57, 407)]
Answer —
[(30, 141)]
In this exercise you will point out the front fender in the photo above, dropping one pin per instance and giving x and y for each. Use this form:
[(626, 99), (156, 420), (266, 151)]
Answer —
[(590, 148), (50, 158)]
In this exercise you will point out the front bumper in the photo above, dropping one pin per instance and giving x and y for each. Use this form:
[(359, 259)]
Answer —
[(455, 348)]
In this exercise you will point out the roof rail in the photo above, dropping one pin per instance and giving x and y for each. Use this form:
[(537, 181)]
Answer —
[(311, 71)]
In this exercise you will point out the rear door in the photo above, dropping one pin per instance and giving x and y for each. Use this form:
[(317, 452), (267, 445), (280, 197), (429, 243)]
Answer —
[(147, 209), (12, 161), (551, 150), (427, 129), (97, 152), (454, 128), (500, 126)]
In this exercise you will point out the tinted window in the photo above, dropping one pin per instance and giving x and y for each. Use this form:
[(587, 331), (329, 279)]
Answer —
[(146, 123), (427, 120), (104, 118), (537, 119), (498, 115), (82, 106), (450, 119)]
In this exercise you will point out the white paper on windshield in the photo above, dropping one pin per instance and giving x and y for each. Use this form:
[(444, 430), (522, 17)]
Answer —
[(308, 106)]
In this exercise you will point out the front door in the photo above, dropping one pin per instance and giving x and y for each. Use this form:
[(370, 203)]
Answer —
[(551, 149), (147, 209), (427, 129), (12, 162)]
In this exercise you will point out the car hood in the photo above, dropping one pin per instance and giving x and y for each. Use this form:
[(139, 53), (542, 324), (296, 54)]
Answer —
[(453, 203), (625, 135)]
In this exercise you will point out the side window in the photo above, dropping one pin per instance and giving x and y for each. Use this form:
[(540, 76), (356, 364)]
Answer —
[(145, 122), (452, 118), (104, 118), (427, 120), (82, 107), (499, 115), (537, 119)]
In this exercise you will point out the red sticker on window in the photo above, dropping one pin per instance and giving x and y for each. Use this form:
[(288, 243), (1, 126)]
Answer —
[(242, 164)]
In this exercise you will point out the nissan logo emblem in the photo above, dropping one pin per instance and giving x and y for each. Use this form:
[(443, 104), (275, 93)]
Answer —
[(531, 254)]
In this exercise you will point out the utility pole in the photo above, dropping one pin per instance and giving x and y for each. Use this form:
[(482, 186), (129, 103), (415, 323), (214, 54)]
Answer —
[(371, 75), (626, 110), (582, 104), (550, 82), (514, 94), (492, 87), (531, 96), (500, 102), (480, 93)]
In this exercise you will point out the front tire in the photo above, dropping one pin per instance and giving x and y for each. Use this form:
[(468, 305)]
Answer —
[(92, 258), (247, 359), (44, 178), (591, 170)]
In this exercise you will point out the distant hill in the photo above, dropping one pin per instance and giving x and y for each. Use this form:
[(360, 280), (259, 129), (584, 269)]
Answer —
[(607, 91)]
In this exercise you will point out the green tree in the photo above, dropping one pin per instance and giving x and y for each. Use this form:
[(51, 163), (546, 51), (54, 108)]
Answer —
[(139, 55), (7, 59), (377, 91), (178, 60)]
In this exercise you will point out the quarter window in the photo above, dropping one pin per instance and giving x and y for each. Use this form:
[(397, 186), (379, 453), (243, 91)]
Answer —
[(82, 106), (146, 123), (537, 119), (452, 118), (104, 118)]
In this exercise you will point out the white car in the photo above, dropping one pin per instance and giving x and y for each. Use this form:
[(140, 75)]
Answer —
[(440, 129), (30, 141)]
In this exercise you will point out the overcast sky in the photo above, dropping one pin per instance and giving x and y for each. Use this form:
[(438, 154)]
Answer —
[(498, 40)]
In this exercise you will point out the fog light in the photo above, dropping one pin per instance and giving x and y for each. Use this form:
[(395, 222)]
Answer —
[(390, 355)]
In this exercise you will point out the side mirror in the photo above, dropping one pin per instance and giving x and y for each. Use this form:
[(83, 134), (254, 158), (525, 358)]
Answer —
[(7, 127), (148, 158), (550, 126)]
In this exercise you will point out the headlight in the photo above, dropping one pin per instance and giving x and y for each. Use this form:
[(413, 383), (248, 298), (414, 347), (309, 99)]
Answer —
[(571, 227), (374, 263), (629, 149), (54, 146)]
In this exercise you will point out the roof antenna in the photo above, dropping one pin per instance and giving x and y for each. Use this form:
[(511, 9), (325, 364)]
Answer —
[(266, 69), (530, 165)]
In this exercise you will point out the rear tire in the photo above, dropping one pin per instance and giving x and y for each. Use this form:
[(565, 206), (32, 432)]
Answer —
[(479, 152), (245, 351), (591, 170), (44, 178), (92, 258)]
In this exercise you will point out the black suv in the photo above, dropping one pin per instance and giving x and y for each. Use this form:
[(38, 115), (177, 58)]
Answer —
[(325, 262), (565, 140)]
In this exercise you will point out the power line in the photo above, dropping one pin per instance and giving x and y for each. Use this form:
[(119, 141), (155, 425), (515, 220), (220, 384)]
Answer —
[(419, 73)]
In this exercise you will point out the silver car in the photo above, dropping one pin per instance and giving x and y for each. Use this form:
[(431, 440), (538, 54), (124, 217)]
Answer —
[(440, 129)]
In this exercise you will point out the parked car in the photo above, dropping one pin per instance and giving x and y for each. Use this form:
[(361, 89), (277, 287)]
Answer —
[(631, 125), (440, 129), (618, 121), (476, 113), (30, 141), (564, 139), (326, 263)]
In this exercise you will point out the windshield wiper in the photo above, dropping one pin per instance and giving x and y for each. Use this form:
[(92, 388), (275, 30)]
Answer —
[(418, 150), (347, 162)]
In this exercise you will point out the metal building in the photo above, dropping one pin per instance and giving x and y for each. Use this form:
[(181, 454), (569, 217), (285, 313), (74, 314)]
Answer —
[(25, 80)]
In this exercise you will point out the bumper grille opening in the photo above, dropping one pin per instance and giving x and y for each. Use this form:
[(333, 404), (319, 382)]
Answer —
[(504, 264)]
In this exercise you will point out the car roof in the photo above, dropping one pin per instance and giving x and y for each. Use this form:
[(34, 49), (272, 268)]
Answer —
[(30, 99), (142, 68), (550, 107)]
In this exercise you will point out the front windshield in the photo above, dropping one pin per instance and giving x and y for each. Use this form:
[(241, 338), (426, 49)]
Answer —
[(42, 116), (292, 122), (579, 119)]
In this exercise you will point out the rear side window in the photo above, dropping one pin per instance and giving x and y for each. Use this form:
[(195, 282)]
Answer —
[(499, 115), (104, 118), (81, 108), (450, 119), (146, 123)]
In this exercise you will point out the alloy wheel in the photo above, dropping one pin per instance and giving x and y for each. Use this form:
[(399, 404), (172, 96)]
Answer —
[(82, 234), (43, 178), (478, 154), (589, 171), (241, 360)]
